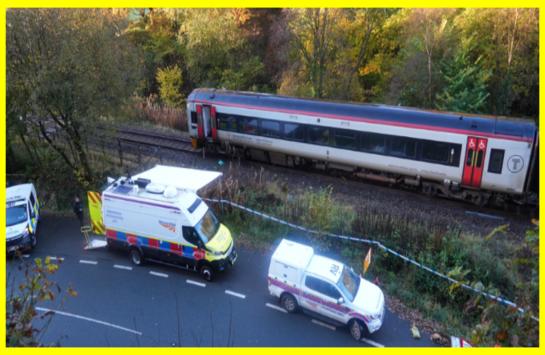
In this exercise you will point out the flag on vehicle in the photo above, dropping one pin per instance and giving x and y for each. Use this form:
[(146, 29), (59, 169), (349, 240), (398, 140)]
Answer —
[(367, 261)]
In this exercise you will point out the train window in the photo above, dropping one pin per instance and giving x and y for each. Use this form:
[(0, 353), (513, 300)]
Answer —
[(270, 128), (439, 152), (227, 122), (193, 117), (248, 125), (479, 159), (402, 147), (469, 160), (496, 161), (373, 143), (318, 135), (345, 139), (293, 131)]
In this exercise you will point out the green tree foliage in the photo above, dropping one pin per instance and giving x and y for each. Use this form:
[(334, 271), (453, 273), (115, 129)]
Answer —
[(66, 70), (428, 39), (217, 51), (382, 55), (170, 82), (21, 312), (465, 87), (507, 39), (154, 32)]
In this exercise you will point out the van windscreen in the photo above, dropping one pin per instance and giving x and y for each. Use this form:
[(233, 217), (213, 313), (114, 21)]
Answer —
[(207, 226), (15, 215)]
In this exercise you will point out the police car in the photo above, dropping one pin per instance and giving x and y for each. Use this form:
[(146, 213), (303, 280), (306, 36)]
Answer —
[(301, 279), (22, 217)]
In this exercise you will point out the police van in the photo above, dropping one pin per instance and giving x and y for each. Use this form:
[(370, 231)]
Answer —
[(302, 279), (157, 215), (22, 217)]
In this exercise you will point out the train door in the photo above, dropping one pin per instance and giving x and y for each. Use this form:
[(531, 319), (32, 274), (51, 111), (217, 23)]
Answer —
[(474, 161), (200, 123), (206, 122), (213, 123)]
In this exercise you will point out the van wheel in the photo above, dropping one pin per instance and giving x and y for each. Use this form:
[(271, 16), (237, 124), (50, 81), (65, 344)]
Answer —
[(357, 330), (288, 302), (33, 241), (207, 273), (136, 256)]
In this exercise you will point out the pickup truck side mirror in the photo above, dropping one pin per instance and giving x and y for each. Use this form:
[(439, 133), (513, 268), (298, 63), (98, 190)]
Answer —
[(340, 300)]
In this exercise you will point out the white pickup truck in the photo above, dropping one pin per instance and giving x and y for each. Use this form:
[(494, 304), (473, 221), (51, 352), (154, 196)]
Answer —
[(300, 278)]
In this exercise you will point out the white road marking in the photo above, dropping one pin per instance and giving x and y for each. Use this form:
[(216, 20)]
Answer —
[(160, 274), (25, 256), (41, 309), (195, 283), (56, 258), (90, 262), (372, 343), (236, 294), (276, 307), (123, 267), (329, 326)]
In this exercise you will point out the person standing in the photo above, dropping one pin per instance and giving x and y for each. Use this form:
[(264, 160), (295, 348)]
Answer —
[(78, 209)]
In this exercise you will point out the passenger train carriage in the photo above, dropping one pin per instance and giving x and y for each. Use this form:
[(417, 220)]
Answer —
[(453, 155)]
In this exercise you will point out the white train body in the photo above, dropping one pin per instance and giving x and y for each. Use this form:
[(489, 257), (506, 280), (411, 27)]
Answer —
[(454, 152)]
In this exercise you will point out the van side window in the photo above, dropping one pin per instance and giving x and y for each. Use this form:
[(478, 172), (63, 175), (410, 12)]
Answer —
[(191, 236), (31, 210), (32, 200)]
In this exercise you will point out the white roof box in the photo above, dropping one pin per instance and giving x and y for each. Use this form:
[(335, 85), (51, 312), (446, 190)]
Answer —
[(180, 178)]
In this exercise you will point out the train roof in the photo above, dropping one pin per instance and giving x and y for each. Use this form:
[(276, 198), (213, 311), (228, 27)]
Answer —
[(505, 127)]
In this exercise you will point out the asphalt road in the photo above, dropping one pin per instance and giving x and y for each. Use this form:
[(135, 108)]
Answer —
[(119, 304)]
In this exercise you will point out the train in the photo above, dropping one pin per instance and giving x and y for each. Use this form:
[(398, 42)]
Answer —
[(479, 159)]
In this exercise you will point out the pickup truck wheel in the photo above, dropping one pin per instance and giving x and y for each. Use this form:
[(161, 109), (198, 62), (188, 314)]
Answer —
[(207, 273), (356, 329), (136, 256), (288, 302)]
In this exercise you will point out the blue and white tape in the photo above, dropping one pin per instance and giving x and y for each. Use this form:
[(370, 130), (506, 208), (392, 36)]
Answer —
[(379, 245)]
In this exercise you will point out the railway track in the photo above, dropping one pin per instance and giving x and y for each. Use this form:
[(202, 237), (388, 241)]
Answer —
[(157, 140), (143, 142)]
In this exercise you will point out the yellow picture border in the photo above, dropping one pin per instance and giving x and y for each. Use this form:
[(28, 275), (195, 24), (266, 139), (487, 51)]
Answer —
[(248, 3)]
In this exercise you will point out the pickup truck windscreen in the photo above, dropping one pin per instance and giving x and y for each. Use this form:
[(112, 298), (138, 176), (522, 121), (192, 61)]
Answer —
[(349, 283)]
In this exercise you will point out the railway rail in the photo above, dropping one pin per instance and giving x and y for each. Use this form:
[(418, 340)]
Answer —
[(141, 141)]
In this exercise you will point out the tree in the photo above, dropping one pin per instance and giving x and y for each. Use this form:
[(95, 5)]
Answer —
[(66, 70), (217, 50), (21, 303), (465, 83), (170, 82), (507, 39), (429, 36), (312, 31), (154, 32)]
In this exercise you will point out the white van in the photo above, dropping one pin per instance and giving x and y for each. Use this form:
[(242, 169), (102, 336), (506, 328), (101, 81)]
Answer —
[(157, 215), (22, 217), (300, 278)]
